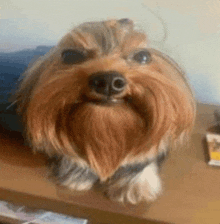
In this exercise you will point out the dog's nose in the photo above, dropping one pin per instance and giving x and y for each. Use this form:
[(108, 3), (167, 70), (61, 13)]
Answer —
[(107, 83)]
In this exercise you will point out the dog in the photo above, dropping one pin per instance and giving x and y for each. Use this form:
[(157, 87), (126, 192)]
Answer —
[(106, 108)]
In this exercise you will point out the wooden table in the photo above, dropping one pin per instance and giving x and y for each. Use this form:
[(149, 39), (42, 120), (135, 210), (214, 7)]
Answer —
[(191, 187)]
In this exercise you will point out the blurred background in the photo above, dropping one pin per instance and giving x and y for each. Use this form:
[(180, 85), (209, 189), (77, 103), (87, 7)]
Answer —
[(188, 30)]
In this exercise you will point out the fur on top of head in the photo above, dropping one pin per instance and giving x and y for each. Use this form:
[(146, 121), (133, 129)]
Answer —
[(62, 115)]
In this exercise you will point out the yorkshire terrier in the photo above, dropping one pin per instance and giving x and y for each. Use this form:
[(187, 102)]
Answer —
[(106, 108)]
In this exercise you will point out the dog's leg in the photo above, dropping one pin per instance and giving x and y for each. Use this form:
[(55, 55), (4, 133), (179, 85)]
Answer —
[(72, 174), (134, 183)]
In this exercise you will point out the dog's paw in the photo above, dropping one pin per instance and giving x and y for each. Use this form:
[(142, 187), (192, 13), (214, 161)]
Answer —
[(145, 186), (73, 175), (77, 185)]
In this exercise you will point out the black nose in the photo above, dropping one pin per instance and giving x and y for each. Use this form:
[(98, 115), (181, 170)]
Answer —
[(107, 83)]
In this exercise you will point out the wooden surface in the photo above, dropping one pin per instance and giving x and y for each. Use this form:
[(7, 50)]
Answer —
[(191, 187)]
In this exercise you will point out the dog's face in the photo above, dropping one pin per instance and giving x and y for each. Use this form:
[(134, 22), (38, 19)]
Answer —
[(102, 96)]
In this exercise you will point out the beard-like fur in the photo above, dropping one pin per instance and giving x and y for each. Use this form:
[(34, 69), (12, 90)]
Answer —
[(62, 116), (60, 120)]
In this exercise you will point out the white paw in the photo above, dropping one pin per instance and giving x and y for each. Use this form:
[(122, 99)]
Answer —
[(150, 183), (73, 175), (78, 186), (146, 186)]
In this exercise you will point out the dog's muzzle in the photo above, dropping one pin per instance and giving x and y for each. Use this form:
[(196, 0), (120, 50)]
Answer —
[(107, 83)]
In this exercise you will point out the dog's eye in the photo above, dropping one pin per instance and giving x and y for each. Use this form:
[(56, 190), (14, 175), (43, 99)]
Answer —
[(73, 56), (142, 57)]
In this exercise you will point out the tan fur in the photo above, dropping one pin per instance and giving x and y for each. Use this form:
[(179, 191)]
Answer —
[(159, 102)]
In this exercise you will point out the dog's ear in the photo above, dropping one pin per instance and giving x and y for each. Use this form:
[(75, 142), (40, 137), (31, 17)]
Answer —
[(26, 84), (29, 78), (179, 90), (169, 68)]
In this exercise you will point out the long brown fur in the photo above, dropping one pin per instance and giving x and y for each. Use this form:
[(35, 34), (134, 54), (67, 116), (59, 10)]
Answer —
[(158, 103)]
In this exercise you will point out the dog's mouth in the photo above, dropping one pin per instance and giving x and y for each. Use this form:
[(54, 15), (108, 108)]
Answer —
[(105, 101)]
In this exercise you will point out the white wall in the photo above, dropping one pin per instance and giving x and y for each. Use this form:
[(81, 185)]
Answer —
[(192, 26)]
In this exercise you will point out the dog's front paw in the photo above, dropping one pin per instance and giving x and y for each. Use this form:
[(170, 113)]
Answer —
[(145, 186), (73, 175)]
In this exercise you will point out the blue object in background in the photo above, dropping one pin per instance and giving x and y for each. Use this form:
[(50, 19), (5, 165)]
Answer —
[(12, 65)]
